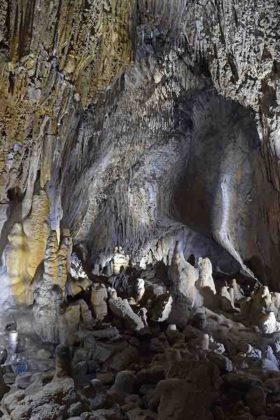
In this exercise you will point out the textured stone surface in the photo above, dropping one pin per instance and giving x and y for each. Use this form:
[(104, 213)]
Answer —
[(110, 151), (121, 309), (26, 248), (137, 132), (212, 365), (49, 402)]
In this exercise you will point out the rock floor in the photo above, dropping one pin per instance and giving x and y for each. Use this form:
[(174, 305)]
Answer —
[(154, 352)]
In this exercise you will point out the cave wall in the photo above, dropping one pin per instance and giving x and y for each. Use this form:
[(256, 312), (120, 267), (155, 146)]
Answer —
[(125, 115), (55, 57)]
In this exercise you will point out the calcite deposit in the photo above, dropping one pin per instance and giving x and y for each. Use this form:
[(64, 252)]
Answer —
[(139, 209)]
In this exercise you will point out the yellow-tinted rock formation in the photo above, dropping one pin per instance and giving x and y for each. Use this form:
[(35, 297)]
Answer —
[(26, 248)]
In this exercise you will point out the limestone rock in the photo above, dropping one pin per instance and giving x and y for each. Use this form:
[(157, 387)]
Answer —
[(236, 291), (74, 287), (221, 361), (125, 383), (47, 312), (138, 125), (86, 316), (123, 359), (268, 323), (205, 278), (120, 260), (63, 259), (3, 386), (78, 280), (49, 94), (76, 267), (242, 381), (184, 276), (161, 308), (152, 374), (75, 409), (178, 399), (73, 319), (121, 283), (227, 300), (141, 414), (50, 401), (185, 294), (121, 308), (99, 297), (50, 323), (139, 289), (26, 248), (103, 414)]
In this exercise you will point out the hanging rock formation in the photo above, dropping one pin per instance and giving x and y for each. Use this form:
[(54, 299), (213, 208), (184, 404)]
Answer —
[(108, 110), (140, 206)]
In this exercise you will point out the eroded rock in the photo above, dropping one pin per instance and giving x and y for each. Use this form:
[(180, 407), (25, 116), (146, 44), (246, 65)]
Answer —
[(121, 308)]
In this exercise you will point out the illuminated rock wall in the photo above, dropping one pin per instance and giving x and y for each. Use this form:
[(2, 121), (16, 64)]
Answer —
[(117, 122)]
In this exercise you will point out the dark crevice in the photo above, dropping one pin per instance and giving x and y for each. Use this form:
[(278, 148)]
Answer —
[(233, 67)]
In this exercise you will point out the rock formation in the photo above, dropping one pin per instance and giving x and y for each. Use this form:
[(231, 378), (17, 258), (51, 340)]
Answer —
[(107, 176), (99, 297), (140, 209), (164, 355)]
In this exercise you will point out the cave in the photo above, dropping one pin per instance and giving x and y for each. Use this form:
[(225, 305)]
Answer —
[(139, 210)]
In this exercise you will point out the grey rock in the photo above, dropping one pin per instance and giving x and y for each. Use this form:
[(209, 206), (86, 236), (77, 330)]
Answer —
[(151, 375), (97, 385), (43, 403), (23, 380), (125, 383), (221, 361), (179, 400), (150, 131), (74, 418), (123, 358), (121, 308), (75, 409), (161, 308)]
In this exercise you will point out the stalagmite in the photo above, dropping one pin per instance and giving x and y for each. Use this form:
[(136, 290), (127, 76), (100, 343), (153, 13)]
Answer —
[(99, 297), (121, 308), (205, 279)]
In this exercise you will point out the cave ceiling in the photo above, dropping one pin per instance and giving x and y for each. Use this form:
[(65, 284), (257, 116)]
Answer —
[(139, 124)]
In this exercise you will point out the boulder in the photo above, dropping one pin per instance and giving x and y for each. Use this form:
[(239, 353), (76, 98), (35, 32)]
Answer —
[(255, 400), (50, 402), (125, 383), (141, 414), (161, 308), (268, 323), (205, 279), (99, 301), (121, 308), (177, 399)]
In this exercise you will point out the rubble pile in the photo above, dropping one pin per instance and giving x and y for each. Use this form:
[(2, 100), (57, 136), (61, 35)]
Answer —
[(140, 346)]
